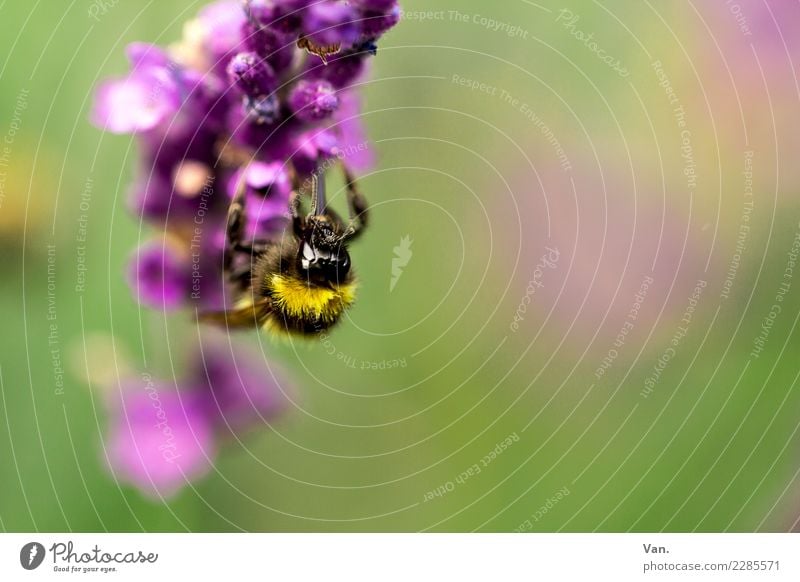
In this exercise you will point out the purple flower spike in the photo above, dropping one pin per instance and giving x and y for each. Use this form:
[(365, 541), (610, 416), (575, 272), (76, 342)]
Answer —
[(313, 100), (159, 275), (331, 23), (159, 439), (236, 98)]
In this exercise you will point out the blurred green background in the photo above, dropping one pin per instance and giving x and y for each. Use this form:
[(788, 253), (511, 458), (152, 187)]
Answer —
[(493, 143)]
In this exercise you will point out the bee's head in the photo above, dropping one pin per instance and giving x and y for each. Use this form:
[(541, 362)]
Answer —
[(322, 254)]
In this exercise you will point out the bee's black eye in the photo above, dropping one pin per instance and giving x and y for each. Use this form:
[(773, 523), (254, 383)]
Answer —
[(325, 264), (342, 264)]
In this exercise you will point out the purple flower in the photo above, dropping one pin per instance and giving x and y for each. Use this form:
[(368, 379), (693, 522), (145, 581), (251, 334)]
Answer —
[(324, 27), (143, 100), (378, 18), (252, 74), (275, 47), (222, 24), (256, 80), (159, 275), (268, 190), (236, 91), (164, 434), (285, 17), (142, 55), (166, 199), (331, 23), (214, 100), (244, 389), (313, 100), (353, 141), (159, 439), (341, 70), (313, 146)]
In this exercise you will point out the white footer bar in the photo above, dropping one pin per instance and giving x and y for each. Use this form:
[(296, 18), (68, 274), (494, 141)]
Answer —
[(400, 557)]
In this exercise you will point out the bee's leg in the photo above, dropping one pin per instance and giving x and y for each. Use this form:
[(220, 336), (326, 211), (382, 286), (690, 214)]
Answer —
[(357, 206), (235, 227), (298, 220), (235, 232), (256, 247), (240, 276), (319, 197)]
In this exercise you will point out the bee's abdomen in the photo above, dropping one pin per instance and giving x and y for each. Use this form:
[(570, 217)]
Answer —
[(302, 308), (281, 324)]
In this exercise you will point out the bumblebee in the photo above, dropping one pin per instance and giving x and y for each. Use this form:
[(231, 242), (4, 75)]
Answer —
[(302, 283)]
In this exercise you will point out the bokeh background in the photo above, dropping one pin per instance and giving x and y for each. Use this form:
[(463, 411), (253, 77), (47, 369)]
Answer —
[(603, 204)]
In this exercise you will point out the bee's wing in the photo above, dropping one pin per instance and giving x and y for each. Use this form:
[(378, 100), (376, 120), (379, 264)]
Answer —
[(249, 315)]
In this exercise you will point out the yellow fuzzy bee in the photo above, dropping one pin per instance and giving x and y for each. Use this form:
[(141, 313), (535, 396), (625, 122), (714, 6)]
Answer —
[(303, 283)]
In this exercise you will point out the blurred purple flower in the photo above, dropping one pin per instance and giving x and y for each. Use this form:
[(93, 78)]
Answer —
[(143, 100), (159, 275), (749, 70), (244, 388), (313, 100), (268, 189), (162, 435), (606, 247), (222, 24), (159, 439), (353, 140), (331, 23), (378, 17), (312, 146)]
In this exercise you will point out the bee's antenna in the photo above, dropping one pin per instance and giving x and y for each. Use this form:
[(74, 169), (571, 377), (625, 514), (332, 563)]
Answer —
[(319, 202)]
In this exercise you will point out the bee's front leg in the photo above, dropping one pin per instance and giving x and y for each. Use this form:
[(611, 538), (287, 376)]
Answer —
[(357, 206), (298, 220), (235, 231), (235, 225)]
